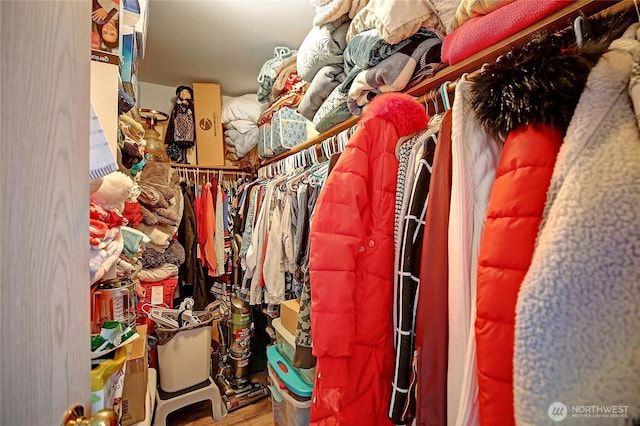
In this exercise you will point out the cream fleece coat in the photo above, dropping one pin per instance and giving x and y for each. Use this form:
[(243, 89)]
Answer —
[(577, 338)]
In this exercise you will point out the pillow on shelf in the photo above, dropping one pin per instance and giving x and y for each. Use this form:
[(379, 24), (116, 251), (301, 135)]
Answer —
[(322, 46), (244, 107), (395, 21), (446, 10)]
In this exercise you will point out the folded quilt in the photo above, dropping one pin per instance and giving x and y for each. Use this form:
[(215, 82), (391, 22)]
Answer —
[(468, 9), (487, 30), (289, 99), (420, 58)]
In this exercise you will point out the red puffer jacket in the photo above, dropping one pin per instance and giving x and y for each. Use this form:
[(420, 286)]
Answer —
[(514, 214), (351, 269)]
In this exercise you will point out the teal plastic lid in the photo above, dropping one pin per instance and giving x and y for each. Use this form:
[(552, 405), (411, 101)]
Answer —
[(287, 373)]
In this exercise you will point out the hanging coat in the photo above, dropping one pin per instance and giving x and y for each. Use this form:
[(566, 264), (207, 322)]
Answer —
[(533, 137), (577, 315), (351, 269)]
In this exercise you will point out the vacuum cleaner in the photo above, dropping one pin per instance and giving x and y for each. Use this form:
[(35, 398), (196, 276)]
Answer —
[(234, 352)]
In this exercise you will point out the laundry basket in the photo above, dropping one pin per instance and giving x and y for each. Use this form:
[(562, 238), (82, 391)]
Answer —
[(184, 354)]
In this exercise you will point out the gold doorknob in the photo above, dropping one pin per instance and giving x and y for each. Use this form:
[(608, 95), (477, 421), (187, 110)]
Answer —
[(75, 417)]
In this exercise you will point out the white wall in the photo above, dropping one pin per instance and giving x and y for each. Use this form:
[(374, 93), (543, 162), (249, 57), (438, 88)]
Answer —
[(156, 96), (104, 97)]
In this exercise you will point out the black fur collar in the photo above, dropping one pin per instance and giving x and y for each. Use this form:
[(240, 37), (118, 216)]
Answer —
[(541, 82)]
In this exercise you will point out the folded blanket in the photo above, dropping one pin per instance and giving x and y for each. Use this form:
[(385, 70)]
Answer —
[(393, 74), (362, 59), (327, 79), (151, 197), (286, 76), (132, 240), (101, 260), (328, 11), (159, 234), (110, 191), (242, 125), (243, 142), (368, 48), (159, 273), (174, 254), (484, 31), (148, 218)]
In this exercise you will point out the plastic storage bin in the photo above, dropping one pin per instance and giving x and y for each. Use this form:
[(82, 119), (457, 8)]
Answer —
[(184, 355), (295, 406), (286, 343)]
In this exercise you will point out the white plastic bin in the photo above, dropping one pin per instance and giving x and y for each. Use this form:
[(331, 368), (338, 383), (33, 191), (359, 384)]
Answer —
[(184, 361), (290, 411)]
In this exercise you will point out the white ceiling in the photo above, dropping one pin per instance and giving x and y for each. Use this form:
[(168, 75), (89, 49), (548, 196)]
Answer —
[(222, 41)]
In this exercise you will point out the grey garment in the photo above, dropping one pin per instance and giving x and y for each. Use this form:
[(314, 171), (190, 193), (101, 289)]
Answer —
[(301, 222), (248, 227), (303, 357)]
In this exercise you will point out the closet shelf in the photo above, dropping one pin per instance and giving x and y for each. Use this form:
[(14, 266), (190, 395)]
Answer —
[(209, 167), (559, 20)]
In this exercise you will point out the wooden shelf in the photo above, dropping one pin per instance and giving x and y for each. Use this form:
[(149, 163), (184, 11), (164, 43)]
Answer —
[(557, 21), (208, 167)]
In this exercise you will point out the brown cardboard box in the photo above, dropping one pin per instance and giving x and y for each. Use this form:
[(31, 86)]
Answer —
[(207, 102), (289, 310), (135, 379)]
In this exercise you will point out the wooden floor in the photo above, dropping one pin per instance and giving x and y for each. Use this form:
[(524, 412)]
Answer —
[(199, 414)]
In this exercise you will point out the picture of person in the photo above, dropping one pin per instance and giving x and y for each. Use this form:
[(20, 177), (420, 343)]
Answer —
[(106, 24)]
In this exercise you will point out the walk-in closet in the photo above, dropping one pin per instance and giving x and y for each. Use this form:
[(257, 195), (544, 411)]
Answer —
[(320, 212)]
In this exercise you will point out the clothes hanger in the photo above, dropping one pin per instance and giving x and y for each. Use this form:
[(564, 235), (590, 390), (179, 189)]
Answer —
[(444, 94), (577, 29)]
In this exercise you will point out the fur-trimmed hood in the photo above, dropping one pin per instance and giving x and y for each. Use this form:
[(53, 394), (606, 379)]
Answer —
[(541, 82), (407, 114)]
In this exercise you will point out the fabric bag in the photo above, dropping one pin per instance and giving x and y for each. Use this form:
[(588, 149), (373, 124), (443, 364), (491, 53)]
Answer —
[(289, 128)]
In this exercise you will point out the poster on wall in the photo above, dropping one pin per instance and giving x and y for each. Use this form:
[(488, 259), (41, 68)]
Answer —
[(105, 31)]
